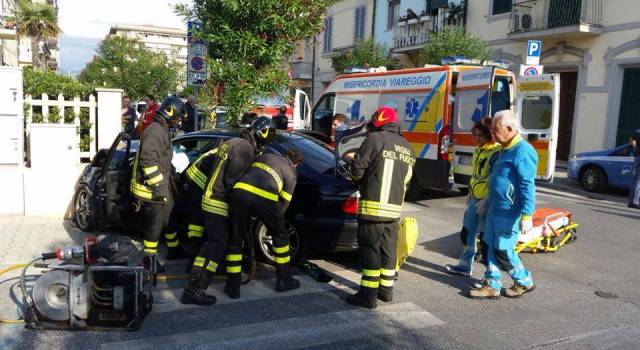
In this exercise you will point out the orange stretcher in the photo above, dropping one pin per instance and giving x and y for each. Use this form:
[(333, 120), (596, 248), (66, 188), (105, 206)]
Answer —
[(552, 229)]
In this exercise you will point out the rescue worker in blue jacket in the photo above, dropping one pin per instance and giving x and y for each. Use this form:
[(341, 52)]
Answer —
[(231, 161), (473, 223), (634, 191), (151, 180), (511, 204), (382, 167)]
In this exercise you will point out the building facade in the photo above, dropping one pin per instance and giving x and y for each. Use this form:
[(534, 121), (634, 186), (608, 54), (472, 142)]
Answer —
[(346, 23), (595, 47), (170, 41), (15, 50)]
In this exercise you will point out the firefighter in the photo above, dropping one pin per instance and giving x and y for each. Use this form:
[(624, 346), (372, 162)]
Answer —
[(264, 191), (231, 160), (151, 180), (382, 167)]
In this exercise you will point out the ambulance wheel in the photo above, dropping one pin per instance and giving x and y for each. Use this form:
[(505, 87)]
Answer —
[(264, 243), (594, 179)]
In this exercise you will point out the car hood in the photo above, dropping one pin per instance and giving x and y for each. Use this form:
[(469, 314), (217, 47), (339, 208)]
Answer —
[(594, 153)]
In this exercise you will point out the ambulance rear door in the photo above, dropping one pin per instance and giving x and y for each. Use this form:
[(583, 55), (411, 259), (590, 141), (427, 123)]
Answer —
[(538, 110), (472, 103)]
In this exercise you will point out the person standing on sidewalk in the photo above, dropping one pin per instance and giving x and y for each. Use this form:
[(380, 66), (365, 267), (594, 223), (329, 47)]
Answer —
[(128, 117), (473, 223), (634, 191), (382, 167), (511, 203)]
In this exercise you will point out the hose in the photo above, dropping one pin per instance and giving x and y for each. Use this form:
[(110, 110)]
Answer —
[(2, 272)]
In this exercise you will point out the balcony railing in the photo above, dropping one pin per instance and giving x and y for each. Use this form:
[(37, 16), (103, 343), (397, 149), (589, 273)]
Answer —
[(537, 15), (414, 33)]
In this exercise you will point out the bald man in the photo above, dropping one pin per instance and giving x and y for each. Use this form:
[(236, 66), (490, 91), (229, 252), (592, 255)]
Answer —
[(511, 203)]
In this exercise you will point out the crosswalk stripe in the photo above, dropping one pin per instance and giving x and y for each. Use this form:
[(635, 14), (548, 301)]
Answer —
[(296, 332)]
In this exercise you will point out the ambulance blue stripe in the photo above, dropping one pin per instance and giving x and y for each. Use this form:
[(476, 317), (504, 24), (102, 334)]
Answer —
[(438, 125), (427, 100), (424, 150)]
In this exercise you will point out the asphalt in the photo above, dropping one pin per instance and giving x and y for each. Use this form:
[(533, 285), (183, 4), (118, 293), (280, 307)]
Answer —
[(586, 298)]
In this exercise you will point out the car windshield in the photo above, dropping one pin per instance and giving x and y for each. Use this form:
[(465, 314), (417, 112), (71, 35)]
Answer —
[(317, 155)]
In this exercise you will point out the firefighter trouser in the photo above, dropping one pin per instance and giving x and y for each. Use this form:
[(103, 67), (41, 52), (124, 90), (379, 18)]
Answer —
[(472, 225), (501, 235), (212, 251), (377, 250), (634, 191), (157, 220), (195, 222), (244, 205)]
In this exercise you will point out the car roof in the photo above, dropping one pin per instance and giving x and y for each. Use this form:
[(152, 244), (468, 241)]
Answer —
[(281, 135)]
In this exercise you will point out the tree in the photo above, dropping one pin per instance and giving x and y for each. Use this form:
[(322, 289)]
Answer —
[(126, 64), (453, 42), (366, 53), (38, 21), (248, 43)]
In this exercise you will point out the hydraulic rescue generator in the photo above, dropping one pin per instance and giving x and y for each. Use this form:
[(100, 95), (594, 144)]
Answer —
[(101, 285)]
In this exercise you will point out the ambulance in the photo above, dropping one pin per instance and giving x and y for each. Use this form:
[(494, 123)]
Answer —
[(437, 106)]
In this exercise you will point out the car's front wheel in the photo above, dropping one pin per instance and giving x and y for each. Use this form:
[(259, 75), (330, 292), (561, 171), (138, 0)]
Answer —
[(83, 209), (264, 243), (594, 179)]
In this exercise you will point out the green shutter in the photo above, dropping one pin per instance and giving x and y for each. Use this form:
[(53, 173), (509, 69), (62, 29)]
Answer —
[(629, 117)]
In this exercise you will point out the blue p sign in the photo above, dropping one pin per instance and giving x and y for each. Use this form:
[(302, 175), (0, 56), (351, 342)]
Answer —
[(533, 48)]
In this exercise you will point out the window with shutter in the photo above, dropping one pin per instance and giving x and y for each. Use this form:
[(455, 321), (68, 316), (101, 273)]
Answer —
[(501, 6), (359, 22), (328, 31)]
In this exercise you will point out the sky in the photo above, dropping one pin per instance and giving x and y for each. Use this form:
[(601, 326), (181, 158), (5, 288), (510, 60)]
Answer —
[(85, 22)]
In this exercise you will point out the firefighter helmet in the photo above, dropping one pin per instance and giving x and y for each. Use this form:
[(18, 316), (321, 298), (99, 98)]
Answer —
[(172, 108), (385, 115), (263, 130)]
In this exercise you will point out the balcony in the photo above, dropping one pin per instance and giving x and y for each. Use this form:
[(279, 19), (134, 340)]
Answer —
[(548, 19), (411, 35), (301, 70)]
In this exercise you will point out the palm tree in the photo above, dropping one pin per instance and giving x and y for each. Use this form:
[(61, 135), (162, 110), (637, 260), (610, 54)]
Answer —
[(38, 21)]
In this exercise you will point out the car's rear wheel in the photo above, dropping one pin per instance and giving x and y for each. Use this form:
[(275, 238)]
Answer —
[(594, 179), (83, 209), (264, 243)]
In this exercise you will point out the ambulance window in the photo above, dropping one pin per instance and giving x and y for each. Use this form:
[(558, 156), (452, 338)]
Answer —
[(500, 94), (537, 112), (466, 108)]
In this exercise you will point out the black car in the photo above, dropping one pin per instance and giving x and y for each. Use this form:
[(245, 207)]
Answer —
[(321, 216)]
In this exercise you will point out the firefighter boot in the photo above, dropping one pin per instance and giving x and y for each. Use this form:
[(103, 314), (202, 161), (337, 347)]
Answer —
[(385, 294), (285, 281), (366, 297), (233, 285), (194, 292)]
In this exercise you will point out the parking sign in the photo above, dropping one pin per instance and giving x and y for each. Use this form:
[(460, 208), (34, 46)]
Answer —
[(534, 48)]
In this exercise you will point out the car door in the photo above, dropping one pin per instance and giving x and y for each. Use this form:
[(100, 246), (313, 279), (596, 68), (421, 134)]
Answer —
[(538, 110), (116, 177), (619, 167)]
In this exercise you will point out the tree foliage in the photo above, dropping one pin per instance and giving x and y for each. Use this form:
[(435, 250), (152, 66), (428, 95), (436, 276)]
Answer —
[(366, 53), (453, 42), (126, 64), (38, 21), (248, 43), (38, 82)]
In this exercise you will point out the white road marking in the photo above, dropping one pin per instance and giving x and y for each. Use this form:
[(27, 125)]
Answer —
[(297, 332)]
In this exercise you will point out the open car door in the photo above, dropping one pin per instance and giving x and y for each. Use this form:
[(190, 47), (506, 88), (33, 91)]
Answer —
[(350, 141), (116, 178), (538, 109), (301, 111), (472, 103)]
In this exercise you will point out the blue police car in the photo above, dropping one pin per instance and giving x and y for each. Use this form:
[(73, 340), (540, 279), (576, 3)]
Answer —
[(598, 170)]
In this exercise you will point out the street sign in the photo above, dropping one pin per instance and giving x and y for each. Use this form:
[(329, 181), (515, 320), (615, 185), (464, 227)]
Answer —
[(534, 48), (530, 70), (196, 55)]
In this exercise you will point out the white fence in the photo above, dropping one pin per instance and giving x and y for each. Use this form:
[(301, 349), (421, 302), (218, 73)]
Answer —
[(62, 106)]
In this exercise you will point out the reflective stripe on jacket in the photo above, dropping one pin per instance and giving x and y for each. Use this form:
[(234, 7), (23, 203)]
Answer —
[(383, 167), (271, 176), (482, 162), (196, 172), (151, 176), (230, 162)]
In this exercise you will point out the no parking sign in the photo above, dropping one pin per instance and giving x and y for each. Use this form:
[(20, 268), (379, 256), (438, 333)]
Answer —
[(530, 70)]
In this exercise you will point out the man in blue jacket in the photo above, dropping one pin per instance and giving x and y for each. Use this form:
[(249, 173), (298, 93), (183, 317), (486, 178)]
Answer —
[(634, 192), (511, 203)]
